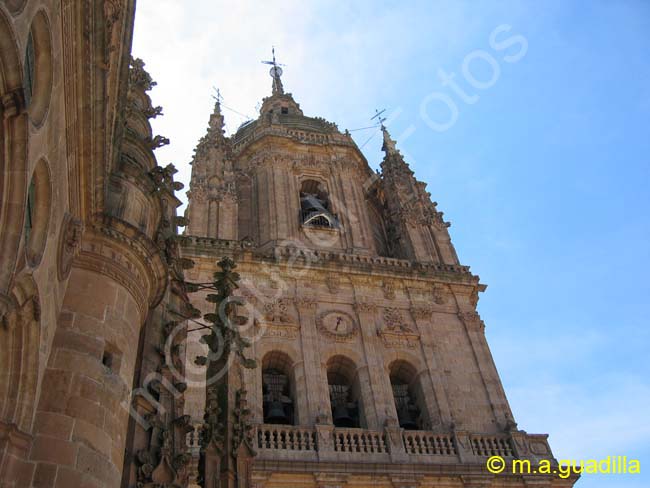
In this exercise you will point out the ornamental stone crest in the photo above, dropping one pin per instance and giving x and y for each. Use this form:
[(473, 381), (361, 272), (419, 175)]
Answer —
[(394, 321), (396, 332), (421, 311), (69, 244), (388, 287), (472, 320), (277, 311)]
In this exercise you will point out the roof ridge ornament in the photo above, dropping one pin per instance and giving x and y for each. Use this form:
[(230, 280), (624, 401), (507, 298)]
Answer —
[(276, 73), (389, 144)]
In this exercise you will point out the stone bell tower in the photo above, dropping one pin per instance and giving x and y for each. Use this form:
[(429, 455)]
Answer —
[(372, 363)]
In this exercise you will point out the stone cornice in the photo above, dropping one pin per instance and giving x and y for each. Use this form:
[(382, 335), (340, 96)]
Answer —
[(332, 261)]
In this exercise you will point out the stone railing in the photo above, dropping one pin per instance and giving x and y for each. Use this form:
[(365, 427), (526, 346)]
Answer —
[(429, 443), (328, 443), (286, 437), (486, 446), (359, 440)]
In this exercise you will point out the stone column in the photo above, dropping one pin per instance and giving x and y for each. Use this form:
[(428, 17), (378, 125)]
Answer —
[(382, 403), (476, 333), (316, 380), (436, 404), (394, 438), (83, 410), (350, 215), (82, 416)]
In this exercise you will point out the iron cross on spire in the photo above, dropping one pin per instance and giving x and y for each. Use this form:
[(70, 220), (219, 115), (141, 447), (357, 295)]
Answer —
[(379, 117), (218, 96), (276, 73)]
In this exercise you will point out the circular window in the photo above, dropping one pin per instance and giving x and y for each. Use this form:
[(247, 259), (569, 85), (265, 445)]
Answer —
[(37, 69), (37, 213)]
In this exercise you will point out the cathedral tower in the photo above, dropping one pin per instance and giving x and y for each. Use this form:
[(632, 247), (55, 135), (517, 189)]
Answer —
[(372, 363)]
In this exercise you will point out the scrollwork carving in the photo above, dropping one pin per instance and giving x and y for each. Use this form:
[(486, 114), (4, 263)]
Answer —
[(69, 244)]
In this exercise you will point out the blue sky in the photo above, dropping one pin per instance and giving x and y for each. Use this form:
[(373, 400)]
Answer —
[(544, 177)]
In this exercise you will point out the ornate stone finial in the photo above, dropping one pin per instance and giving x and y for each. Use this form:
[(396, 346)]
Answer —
[(389, 144), (216, 123), (138, 76)]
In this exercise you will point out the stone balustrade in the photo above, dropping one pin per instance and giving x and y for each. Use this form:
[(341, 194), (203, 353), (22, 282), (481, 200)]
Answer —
[(326, 442), (286, 437), (429, 443), (359, 440), (486, 446)]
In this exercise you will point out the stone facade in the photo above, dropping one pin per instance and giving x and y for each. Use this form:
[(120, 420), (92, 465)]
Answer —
[(372, 363), (90, 275)]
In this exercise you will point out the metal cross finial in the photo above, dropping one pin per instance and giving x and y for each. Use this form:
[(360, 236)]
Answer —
[(274, 63), (276, 73), (218, 97), (379, 117)]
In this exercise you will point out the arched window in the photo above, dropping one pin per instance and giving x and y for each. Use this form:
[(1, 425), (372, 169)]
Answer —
[(343, 383), (278, 389), (28, 70), (315, 209), (37, 213), (29, 210), (409, 399)]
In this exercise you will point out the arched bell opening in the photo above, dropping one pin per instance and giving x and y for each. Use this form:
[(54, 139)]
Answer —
[(278, 389), (345, 393), (408, 396), (315, 206)]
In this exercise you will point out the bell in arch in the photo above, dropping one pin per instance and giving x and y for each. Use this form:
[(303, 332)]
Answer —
[(407, 418), (407, 411), (343, 411), (276, 413), (341, 416)]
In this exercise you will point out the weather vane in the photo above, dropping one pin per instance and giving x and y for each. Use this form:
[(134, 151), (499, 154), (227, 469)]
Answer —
[(379, 117), (275, 70), (276, 73)]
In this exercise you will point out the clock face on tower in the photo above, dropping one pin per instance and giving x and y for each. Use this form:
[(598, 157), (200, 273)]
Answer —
[(336, 324)]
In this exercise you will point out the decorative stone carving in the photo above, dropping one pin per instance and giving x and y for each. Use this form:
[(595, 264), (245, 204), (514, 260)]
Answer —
[(440, 295), (139, 77), (337, 325), (394, 321), (69, 244), (277, 311), (396, 333), (392, 340), (289, 332), (388, 287), (159, 141), (472, 320), (365, 307), (306, 303), (333, 283), (421, 312)]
